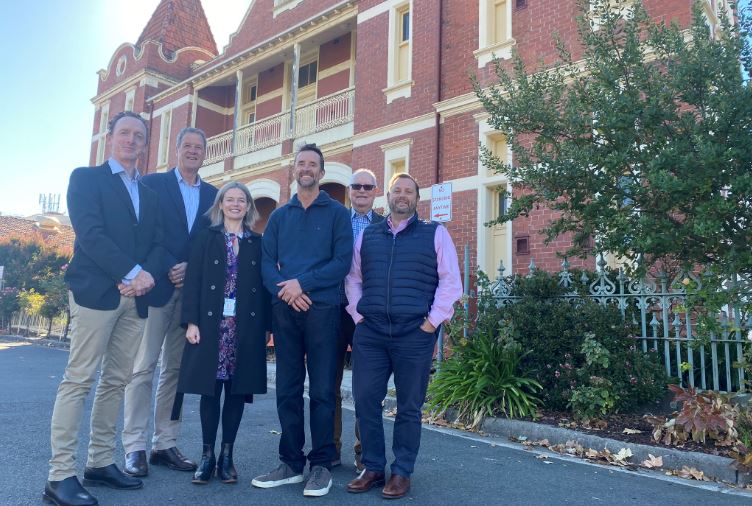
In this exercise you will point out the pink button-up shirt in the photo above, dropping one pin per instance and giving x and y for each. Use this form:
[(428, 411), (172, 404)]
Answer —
[(447, 293)]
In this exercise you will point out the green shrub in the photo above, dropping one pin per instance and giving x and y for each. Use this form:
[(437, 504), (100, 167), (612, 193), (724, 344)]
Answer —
[(482, 377), (576, 346)]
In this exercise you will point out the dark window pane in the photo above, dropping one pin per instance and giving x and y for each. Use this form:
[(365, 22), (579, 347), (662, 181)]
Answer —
[(253, 93), (303, 76), (313, 68), (405, 26)]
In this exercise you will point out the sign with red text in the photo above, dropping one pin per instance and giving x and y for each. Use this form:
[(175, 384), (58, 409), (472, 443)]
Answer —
[(441, 202)]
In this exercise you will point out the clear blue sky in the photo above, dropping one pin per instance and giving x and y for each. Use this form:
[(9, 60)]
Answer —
[(52, 52), (51, 55)]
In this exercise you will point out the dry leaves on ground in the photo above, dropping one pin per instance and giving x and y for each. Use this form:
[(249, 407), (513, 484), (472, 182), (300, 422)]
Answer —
[(652, 462), (689, 473)]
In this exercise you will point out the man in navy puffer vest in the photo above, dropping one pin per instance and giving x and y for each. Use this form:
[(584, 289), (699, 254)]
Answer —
[(402, 285)]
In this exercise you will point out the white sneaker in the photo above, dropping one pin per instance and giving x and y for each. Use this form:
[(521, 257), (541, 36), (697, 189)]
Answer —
[(319, 482), (282, 475)]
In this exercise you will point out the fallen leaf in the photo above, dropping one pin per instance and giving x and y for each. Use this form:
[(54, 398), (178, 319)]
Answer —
[(275, 432), (653, 461), (623, 454), (592, 454), (631, 431), (691, 473)]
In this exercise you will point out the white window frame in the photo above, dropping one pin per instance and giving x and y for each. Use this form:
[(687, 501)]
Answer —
[(130, 97), (403, 88), (487, 49), (486, 189), (165, 126)]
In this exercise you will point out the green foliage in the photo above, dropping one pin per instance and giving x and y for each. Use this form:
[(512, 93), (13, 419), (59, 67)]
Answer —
[(28, 263), (8, 305), (589, 402), (482, 377), (30, 301), (579, 346), (55, 298), (636, 137)]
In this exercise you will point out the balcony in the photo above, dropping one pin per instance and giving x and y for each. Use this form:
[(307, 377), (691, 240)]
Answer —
[(323, 114)]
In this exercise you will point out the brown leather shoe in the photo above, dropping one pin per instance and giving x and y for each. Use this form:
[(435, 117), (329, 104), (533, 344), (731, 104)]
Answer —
[(172, 458), (135, 464), (398, 486), (365, 482)]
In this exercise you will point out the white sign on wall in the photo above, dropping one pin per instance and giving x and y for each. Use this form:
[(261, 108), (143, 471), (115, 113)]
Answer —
[(441, 202)]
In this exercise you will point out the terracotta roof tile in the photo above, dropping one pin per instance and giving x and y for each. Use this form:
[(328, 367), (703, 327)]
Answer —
[(178, 24)]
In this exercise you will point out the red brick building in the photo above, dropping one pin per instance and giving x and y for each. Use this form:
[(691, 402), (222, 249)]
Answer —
[(379, 84)]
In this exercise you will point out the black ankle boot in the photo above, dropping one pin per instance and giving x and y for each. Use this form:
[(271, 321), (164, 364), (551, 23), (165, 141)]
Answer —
[(225, 468), (206, 466)]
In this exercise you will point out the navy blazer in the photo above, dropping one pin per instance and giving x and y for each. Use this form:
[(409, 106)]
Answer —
[(110, 240), (177, 237)]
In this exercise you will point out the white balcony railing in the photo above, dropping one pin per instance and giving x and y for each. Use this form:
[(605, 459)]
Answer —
[(322, 114), (325, 113), (262, 134), (218, 147)]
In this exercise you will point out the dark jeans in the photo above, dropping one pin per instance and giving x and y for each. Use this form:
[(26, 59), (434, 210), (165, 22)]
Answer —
[(306, 340), (375, 357), (344, 339)]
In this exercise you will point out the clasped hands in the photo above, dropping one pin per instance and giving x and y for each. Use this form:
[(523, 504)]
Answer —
[(291, 292), (142, 283)]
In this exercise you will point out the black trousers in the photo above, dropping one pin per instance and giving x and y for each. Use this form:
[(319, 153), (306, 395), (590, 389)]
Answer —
[(231, 414)]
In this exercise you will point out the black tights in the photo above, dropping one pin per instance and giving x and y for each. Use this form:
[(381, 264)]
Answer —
[(232, 413)]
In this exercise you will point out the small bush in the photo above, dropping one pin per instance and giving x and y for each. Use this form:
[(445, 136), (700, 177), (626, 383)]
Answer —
[(583, 354), (481, 379)]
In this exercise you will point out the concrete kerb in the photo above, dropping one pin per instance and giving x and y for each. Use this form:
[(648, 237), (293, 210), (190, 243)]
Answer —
[(712, 466)]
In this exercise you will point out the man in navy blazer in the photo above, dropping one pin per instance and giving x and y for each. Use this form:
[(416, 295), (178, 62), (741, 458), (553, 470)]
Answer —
[(117, 254), (183, 200)]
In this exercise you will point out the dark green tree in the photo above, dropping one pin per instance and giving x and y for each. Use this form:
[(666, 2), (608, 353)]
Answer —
[(643, 141)]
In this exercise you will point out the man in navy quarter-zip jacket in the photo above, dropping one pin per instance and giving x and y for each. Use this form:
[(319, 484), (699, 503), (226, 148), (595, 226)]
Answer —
[(307, 250)]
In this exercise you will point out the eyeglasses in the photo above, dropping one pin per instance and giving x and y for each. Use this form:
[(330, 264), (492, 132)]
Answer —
[(366, 187)]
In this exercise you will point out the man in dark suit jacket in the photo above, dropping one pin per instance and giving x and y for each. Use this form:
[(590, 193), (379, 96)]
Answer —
[(117, 255), (183, 200), (363, 186)]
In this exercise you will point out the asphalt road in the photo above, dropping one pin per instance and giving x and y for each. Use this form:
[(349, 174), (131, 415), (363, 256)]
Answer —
[(452, 469)]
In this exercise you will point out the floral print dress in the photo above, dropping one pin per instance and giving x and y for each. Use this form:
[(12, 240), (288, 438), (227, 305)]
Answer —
[(228, 342)]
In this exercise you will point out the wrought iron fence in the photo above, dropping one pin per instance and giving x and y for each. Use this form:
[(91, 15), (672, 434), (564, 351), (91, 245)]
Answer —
[(656, 307)]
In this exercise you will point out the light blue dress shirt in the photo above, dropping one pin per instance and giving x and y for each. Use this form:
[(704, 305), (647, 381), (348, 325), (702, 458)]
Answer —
[(131, 186), (191, 194)]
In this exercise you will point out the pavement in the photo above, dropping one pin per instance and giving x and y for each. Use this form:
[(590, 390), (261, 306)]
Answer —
[(453, 468)]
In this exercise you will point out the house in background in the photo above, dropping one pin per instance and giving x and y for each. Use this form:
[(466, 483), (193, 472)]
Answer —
[(377, 84)]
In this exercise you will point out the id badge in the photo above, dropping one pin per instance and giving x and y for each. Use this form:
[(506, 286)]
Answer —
[(229, 309)]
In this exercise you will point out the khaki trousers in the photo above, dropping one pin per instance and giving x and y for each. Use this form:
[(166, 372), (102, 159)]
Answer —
[(109, 339), (162, 335)]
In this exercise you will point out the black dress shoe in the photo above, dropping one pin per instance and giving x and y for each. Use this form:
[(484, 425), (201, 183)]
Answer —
[(205, 467), (135, 464), (172, 458), (111, 476), (68, 492), (225, 467)]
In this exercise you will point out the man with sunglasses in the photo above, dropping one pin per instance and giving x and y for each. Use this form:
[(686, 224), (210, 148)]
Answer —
[(362, 190)]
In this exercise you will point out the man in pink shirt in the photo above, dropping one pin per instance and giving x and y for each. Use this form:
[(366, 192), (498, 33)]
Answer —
[(402, 285)]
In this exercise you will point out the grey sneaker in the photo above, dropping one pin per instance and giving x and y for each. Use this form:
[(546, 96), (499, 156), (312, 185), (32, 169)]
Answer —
[(319, 482), (282, 475)]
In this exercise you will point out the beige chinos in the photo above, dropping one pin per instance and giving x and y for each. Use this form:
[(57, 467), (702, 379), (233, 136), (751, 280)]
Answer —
[(163, 334), (109, 338)]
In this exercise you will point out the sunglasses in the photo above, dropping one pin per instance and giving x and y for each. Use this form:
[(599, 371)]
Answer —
[(366, 187)]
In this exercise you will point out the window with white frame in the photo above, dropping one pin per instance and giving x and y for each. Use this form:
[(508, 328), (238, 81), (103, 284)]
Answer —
[(130, 99), (164, 138), (396, 159), (399, 53), (104, 118), (250, 94), (494, 31), (713, 11), (307, 79)]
